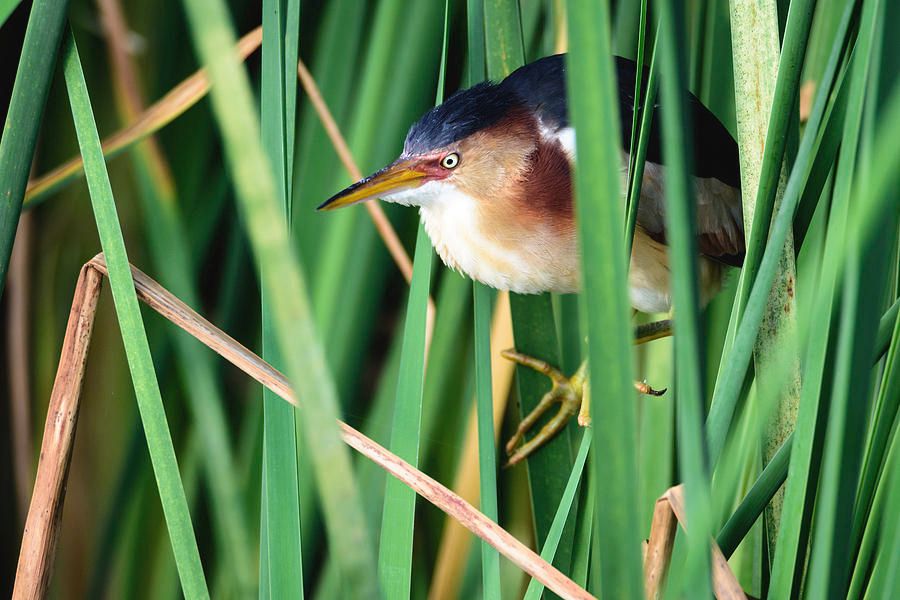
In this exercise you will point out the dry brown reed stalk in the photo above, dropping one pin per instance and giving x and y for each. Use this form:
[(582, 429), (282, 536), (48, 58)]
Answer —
[(807, 95), (17, 339), (561, 45), (658, 552), (39, 543), (668, 512), (455, 545), (158, 115), (125, 79), (42, 524), (128, 93), (382, 224)]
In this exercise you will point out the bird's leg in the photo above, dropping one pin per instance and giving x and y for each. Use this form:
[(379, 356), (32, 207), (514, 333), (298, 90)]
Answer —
[(570, 392), (652, 331)]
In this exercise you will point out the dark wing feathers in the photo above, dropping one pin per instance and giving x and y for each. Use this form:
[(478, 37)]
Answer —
[(541, 86), (538, 84), (715, 151), (719, 222)]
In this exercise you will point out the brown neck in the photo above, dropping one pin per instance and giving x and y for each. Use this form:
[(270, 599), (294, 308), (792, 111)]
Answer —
[(546, 192)]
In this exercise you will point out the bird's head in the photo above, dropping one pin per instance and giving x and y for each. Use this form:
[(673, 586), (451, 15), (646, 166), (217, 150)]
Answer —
[(475, 142)]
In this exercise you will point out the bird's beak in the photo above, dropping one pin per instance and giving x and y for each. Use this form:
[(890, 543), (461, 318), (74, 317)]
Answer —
[(397, 176)]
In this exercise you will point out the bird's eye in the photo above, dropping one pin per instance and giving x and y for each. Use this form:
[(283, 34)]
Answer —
[(450, 161)]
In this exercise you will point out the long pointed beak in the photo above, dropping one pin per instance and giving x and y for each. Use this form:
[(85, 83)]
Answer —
[(397, 176)]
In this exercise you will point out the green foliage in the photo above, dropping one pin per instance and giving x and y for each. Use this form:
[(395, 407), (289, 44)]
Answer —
[(285, 288), (398, 519), (604, 304), (536, 588), (681, 231), (169, 250), (23, 118), (6, 9), (280, 562), (134, 337), (482, 301)]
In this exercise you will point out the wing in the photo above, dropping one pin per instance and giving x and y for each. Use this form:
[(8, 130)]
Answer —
[(716, 168), (541, 86), (715, 151), (720, 228)]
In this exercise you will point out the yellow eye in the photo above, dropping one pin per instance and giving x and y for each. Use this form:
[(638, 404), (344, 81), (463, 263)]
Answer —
[(451, 161)]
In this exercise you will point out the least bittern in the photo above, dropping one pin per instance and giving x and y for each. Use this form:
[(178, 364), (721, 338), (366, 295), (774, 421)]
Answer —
[(490, 170)]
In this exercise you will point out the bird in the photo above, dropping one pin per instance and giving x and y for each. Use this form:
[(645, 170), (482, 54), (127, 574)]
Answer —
[(490, 171)]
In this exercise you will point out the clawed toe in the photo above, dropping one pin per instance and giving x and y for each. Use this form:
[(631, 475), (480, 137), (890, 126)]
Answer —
[(644, 388), (567, 391)]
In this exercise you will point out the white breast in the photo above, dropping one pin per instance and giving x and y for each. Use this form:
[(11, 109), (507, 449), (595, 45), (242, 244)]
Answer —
[(521, 262)]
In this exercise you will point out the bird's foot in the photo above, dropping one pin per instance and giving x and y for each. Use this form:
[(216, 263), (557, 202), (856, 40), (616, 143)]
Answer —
[(568, 392)]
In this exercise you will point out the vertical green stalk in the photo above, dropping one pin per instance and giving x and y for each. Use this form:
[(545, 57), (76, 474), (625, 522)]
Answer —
[(845, 173), (638, 156), (398, 518), (870, 194), (593, 108), (737, 352), (886, 572), (641, 106), (350, 261), (884, 418), (282, 564), (487, 454), (790, 550), (754, 31), (334, 255), (581, 544), (483, 300), (533, 323), (170, 252), (535, 587), (286, 292), (23, 119), (682, 235), (503, 45), (134, 337), (339, 38)]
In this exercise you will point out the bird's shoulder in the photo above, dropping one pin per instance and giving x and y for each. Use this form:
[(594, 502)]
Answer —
[(715, 150), (541, 87)]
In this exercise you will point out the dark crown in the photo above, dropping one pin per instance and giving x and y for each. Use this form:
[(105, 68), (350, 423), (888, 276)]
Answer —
[(461, 115)]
